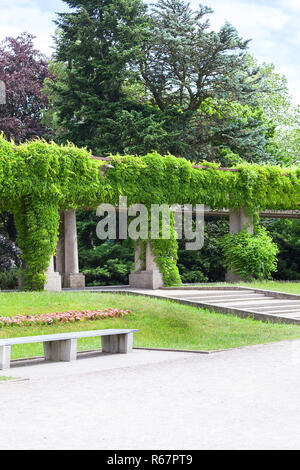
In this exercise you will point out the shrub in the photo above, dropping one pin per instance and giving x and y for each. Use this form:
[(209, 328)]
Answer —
[(286, 233), (207, 264), (250, 256), (9, 279), (9, 254)]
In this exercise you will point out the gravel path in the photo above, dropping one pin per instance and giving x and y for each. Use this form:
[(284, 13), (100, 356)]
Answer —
[(243, 399)]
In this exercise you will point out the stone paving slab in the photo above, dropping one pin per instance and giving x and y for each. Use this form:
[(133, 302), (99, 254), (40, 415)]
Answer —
[(89, 363), (239, 399)]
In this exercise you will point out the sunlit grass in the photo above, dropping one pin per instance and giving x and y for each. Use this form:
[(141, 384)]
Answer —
[(281, 286), (161, 323)]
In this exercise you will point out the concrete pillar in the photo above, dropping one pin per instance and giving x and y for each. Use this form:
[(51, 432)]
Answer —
[(151, 278), (53, 282), (126, 343), (138, 263), (72, 277), (65, 350), (60, 247), (238, 221), (5, 352), (117, 343)]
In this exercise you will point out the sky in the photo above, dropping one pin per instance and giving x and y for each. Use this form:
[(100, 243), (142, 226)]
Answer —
[(273, 26)]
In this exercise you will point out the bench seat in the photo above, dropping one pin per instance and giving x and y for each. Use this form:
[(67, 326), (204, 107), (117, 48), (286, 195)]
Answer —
[(63, 346)]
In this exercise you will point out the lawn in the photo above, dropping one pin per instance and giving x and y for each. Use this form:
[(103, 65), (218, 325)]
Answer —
[(282, 286), (161, 323)]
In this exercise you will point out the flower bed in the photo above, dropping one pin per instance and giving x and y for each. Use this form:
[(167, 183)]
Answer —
[(64, 317)]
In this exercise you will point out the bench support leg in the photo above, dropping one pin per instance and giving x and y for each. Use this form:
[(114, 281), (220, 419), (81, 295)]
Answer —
[(110, 344), (61, 350), (117, 343), (5, 357), (126, 343)]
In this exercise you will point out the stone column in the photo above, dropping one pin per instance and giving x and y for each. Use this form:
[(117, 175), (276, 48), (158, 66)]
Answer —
[(60, 247), (138, 263), (238, 221), (151, 277), (72, 277), (53, 282)]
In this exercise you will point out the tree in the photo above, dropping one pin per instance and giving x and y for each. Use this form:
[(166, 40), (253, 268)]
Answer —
[(228, 132), (172, 85), (97, 46), (184, 63), (23, 69), (281, 115), (203, 83)]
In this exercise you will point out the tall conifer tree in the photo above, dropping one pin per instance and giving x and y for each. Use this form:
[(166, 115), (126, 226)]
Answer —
[(99, 42)]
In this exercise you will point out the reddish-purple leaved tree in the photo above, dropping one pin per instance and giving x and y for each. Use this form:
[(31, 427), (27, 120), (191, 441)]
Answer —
[(23, 69)]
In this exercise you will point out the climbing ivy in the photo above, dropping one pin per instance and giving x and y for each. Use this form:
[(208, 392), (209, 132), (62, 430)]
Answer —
[(38, 180), (166, 253)]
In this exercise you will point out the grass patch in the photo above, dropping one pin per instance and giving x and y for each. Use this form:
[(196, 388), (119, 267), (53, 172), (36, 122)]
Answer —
[(3, 378), (281, 286), (161, 323)]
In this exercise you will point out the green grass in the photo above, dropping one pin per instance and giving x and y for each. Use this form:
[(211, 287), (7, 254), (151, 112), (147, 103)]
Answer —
[(3, 378), (290, 287), (282, 286), (161, 323)]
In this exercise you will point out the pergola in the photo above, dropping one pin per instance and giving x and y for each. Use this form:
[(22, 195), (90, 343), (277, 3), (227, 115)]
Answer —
[(44, 184), (64, 271)]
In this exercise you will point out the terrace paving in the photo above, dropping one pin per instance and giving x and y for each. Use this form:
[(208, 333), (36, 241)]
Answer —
[(246, 398)]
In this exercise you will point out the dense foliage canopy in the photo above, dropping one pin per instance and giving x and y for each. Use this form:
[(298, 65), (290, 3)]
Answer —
[(37, 180)]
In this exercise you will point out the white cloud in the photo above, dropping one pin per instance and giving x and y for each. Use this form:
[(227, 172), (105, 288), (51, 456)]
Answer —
[(26, 15), (250, 18), (290, 4), (292, 73), (274, 30)]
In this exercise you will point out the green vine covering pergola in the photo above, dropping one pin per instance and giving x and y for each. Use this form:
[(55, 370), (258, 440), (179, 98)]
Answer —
[(39, 180)]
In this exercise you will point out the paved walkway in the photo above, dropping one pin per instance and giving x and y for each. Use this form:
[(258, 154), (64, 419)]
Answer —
[(243, 399)]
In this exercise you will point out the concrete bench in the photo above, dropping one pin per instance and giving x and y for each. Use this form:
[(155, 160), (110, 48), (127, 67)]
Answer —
[(63, 346)]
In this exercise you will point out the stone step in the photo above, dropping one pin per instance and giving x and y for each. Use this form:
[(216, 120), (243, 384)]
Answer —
[(291, 313), (217, 297), (210, 294), (278, 302), (280, 308), (217, 300), (264, 304), (260, 301), (243, 307), (216, 294)]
